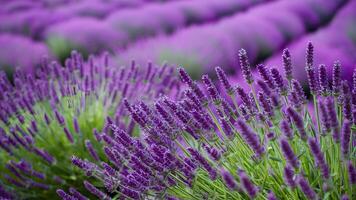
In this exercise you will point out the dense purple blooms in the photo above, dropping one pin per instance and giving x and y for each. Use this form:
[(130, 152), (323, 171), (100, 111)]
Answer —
[(298, 121), (248, 186), (287, 64), (306, 189), (229, 180), (345, 138), (289, 154), (224, 80), (251, 138), (319, 157), (289, 177), (245, 66)]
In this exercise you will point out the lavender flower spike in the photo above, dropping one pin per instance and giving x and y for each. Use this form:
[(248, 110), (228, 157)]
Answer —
[(210, 87), (95, 191), (352, 173), (250, 138), (323, 81), (298, 121), (223, 80), (312, 79), (319, 157), (336, 78), (229, 180), (289, 154), (287, 64), (279, 82), (345, 138), (286, 129), (306, 189), (289, 176), (310, 54), (246, 183), (245, 66)]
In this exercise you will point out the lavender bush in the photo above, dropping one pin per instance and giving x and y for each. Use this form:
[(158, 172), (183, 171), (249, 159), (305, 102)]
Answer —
[(46, 119), (334, 42), (234, 144)]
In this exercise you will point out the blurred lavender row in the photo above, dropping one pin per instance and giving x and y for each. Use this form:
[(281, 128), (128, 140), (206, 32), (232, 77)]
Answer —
[(259, 31), (336, 42)]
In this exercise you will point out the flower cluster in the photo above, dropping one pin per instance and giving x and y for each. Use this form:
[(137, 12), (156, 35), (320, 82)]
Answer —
[(232, 143), (45, 119)]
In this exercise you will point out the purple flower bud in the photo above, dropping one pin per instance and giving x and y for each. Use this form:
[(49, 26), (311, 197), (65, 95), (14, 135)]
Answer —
[(246, 183), (251, 138), (345, 197), (203, 162), (210, 87), (289, 176), (287, 64), (96, 135), (77, 194), (271, 196), (324, 116), (185, 76), (245, 66), (323, 81), (352, 173), (64, 195), (228, 179), (59, 117), (46, 156), (95, 191), (309, 54), (224, 81), (227, 128), (266, 75), (319, 157), (289, 154), (278, 81), (91, 150), (244, 97), (298, 121), (68, 135), (336, 78), (76, 125), (312, 79), (345, 138), (306, 189), (265, 104)]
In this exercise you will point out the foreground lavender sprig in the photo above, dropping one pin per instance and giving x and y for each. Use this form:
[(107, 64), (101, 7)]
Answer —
[(192, 145)]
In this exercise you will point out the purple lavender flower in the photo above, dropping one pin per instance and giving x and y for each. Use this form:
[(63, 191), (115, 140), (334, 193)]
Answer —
[(224, 81), (345, 197), (278, 81), (210, 87), (323, 80), (289, 154), (345, 138), (245, 66), (64, 195), (287, 64), (309, 54), (336, 78), (352, 173), (246, 183), (271, 196), (91, 150), (289, 176), (95, 191), (286, 129), (228, 179), (298, 121), (265, 74), (265, 104), (312, 79), (306, 189), (77, 194), (203, 162), (319, 157), (251, 138)]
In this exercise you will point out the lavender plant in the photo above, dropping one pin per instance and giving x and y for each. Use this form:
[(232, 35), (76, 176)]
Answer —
[(233, 143), (46, 119)]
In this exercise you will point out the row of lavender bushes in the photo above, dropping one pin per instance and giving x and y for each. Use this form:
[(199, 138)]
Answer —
[(81, 25), (336, 42), (259, 31), (123, 27)]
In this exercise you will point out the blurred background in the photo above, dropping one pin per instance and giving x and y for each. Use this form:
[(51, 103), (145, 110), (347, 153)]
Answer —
[(196, 34)]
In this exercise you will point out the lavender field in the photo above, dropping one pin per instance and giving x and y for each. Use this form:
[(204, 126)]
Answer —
[(178, 99)]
